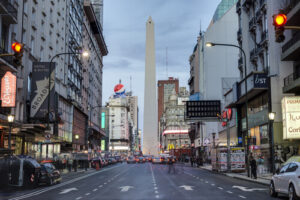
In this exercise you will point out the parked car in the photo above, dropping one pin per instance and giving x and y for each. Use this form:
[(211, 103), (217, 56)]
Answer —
[(131, 159), (49, 174), (141, 160), (156, 160), (286, 181)]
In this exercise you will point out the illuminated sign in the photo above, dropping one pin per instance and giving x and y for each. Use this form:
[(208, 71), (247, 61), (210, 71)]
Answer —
[(175, 132), (202, 109), (8, 90), (102, 145), (291, 117), (171, 146), (103, 120)]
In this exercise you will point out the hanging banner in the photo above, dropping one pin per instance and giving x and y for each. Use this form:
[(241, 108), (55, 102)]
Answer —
[(291, 117), (8, 90), (40, 90)]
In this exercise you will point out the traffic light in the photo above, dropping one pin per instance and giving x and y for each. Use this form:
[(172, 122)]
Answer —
[(18, 49), (279, 21)]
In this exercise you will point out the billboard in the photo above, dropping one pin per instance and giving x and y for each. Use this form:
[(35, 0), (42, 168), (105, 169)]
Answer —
[(202, 109), (40, 91), (291, 117), (8, 90)]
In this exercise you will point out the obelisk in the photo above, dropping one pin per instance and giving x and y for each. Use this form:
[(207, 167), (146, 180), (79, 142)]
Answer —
[(150, 136)]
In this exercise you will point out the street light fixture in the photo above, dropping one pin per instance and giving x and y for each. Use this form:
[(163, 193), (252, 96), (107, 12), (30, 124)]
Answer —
[(10, 119), (211, 44), (76, 136), (272, 116)]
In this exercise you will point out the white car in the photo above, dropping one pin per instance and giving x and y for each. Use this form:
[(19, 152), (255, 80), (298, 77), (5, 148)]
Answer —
[(287, 181)]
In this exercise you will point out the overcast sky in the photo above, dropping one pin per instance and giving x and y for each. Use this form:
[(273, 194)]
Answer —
[(177, 25)]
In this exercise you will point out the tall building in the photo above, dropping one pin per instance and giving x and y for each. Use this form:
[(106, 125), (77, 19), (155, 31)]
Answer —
[(174, 129), (133, 111), (214, 74), (58, 30), (165, 88), (150, 136)]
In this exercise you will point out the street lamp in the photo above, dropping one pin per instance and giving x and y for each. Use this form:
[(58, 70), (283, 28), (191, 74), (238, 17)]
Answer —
[(83, 53), (76, 136), (271, 119), (211, 44), (10, 119)]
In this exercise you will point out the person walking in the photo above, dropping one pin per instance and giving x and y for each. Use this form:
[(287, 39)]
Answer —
[(253, 166), (171, 162), (192, 162), (70, 164)]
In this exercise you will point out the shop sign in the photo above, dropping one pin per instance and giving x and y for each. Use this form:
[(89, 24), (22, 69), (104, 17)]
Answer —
[(260, 81), (226, 116), (8, 90), (103, 145), (291, 117)]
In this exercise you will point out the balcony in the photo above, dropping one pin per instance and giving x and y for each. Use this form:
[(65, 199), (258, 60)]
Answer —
[(252, 25), (293, 13), (291, 49), (291, 83), (8, 12), (253, 55), (6, 62), (239, 35), (258, 16), (264, 38), (263, 5)]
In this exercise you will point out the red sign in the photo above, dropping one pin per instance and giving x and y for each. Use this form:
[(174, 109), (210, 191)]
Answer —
[(226, 116), (8, 90), (229, 114)]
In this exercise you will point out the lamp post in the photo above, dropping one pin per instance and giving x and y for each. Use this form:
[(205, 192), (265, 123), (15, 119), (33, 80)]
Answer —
[(83, 53), (211, 44), (271, 119), (10, 119)]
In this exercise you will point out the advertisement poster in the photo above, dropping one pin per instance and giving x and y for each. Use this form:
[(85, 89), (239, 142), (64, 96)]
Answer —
[(291, 117), (237, 159)]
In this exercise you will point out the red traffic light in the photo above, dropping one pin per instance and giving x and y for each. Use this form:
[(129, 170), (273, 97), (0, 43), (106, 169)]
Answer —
[(17, 47), (280, 20)]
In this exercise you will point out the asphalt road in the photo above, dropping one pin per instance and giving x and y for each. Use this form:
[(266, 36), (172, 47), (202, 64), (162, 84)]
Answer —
[(147, 181)]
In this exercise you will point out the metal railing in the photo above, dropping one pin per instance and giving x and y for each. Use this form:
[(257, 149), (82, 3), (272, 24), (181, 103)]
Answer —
[(291, 78), (10, 8), (291, 42)]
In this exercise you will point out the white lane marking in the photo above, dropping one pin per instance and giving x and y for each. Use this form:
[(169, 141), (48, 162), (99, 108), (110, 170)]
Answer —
[(197, 177), (78, 198), (201, 179), (212, 184), (220, 188), (229, 192), (62, 184), (87, 194), (125, 188), (242, 197), (187, 187), (155, 188), (206, 181), (94, 190), (157, 196), (100, 186), (67, 190), (105, 183), (156, 192), (245, 189)]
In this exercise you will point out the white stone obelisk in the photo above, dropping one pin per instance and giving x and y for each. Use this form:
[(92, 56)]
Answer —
[(150, 136)]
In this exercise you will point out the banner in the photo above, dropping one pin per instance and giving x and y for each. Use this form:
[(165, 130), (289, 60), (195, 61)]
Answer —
[(291, 117), (40, 91), (8, 90)]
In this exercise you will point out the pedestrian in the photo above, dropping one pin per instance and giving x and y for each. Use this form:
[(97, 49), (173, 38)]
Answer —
[(70, 164), (171, 162), (198, 161), (75, 164), (253, 166), (86, 163), (192, 161)]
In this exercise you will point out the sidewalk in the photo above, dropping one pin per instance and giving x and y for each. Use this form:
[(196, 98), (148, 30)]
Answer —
[(264, 179), (66, 175)]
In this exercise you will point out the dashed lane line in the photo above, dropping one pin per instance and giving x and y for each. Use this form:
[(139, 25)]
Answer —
[(157, 196), (220, 188), (94, 190), (242, 197), (87, 194), (212, 184), (78, 198), (229, 192), (100, 186)]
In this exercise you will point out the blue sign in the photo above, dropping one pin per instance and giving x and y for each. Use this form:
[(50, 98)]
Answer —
[(195, 97), (260, 81), (240, 140)]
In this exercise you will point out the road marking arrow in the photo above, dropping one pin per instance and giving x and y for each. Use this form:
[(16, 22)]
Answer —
[(245, 189), (187, 187), (67, 190), (125, 188)]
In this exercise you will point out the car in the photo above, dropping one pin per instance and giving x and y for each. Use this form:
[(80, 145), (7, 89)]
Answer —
[(286, 181), (156, 160), (163, 160), (131, 159), (141, 160), (49, 174)]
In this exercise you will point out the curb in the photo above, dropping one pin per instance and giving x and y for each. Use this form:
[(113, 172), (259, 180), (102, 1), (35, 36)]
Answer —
[(240, 178)]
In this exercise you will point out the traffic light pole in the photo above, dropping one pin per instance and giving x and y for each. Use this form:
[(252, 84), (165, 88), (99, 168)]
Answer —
[(292, 27)]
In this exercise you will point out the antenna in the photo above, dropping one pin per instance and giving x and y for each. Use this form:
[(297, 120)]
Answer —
[(200, 29), (167, 62)]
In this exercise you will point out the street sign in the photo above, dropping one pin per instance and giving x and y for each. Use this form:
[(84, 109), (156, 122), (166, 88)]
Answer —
[(203, 110)]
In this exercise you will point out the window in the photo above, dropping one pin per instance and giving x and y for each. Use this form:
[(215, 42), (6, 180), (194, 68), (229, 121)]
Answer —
[(284, 168), (292, 168)]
